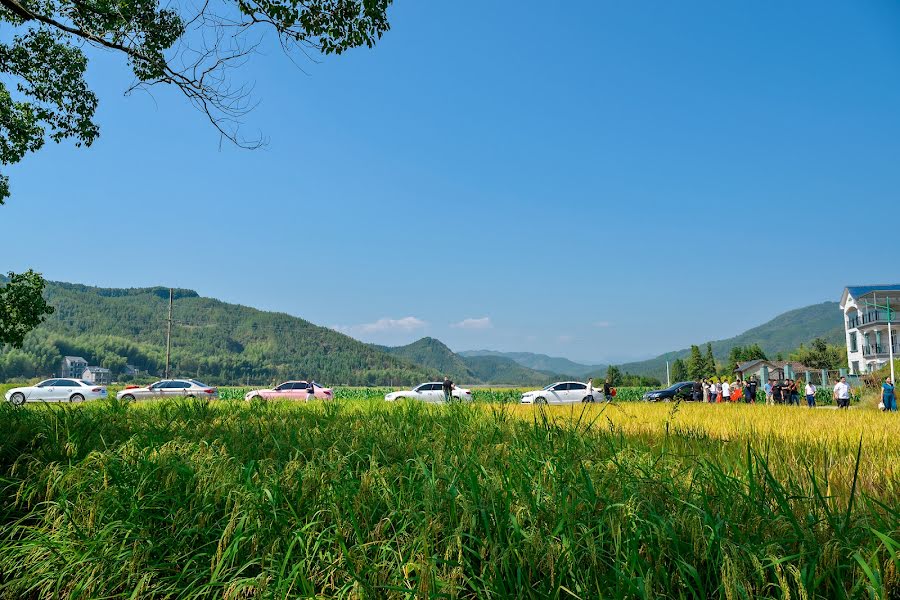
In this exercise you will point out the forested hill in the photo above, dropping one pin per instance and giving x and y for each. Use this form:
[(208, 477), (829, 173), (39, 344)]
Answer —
[(212, 340), (782, 334), (432, 353)]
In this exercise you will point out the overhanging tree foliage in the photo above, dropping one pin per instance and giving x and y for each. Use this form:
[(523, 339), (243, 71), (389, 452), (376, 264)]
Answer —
[(22, 307), (44, 96)]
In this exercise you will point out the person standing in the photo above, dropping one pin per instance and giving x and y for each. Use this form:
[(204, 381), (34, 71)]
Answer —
[(589, 397), (697, 391), (705, 391), (607, 391), (448, 389), (750, 392), (810, 394), (726, 391), (793, 393), (770, 394), (310, 390), (718, 392), (888, 395), (841, 393)]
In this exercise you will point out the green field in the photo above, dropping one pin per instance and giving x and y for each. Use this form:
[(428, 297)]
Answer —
[(363, 499)]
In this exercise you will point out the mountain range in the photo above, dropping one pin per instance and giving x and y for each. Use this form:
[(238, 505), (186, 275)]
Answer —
[(781, 335), (493, 369), (231, 343)]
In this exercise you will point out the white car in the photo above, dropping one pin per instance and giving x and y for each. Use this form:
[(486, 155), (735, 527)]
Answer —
[(429, 392), (56, 390), (168, 388), (562, 392)]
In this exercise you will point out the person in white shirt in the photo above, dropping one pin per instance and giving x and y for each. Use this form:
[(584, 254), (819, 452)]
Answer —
[(810, 395), (726, 391), (590, 389), (842, 393)]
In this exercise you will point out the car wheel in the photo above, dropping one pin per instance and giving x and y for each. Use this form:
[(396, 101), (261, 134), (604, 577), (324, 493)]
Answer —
[(76, 398), (399, 398), (128, 398), (588, 399), (256, 398), (17, 399), (540, 400)]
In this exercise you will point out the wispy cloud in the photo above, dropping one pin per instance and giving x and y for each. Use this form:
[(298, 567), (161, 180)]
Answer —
[(602, 324), (384, 325), (482, 323)]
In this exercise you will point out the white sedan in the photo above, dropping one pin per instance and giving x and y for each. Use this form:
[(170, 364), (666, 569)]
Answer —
[(429, 392), (56, 390), (563, 392), (169, 388)]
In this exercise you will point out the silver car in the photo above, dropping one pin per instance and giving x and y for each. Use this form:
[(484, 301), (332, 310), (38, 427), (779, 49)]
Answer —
[(168, 388), (56, 390)]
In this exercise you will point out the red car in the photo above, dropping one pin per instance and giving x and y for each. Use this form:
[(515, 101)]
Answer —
[(293, 390)]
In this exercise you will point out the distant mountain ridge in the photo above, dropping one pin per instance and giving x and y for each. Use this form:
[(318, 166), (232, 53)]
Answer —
[(212, 340), (431, 353), (539, 362), (782, 334)]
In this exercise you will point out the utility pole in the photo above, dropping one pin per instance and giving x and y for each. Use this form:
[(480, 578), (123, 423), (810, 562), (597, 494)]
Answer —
[(169, 332), (668, 377)]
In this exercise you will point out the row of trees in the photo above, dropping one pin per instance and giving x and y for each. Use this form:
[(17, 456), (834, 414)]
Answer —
[(818, 355), (618, 378)]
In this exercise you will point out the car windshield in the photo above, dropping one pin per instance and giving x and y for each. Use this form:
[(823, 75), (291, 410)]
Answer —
[(83, 382), (549, 387), (197, 383)]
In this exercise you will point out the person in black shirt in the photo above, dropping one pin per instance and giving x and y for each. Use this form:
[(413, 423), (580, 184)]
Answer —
[(750, 392), (697, 391), (607, 390), (448, 389)]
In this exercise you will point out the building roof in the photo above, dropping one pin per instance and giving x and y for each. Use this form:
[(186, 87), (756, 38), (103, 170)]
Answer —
[(74, 359), (749, 364), (97, 369), (861, 290)]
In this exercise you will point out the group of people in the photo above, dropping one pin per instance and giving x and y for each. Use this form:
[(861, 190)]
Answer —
[(724, 391), (784, 391)]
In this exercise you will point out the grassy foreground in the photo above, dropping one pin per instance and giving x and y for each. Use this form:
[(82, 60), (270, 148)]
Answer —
[(362, 499)]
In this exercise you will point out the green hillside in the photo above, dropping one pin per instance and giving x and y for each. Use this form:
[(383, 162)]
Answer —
[(539, 362), (782, 334), (502, 370), (211, 340), (434, 354)]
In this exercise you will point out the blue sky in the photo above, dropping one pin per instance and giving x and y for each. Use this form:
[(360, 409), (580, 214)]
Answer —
[(598, 180)]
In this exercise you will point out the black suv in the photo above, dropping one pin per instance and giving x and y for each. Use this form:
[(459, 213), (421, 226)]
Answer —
[(678, 391)]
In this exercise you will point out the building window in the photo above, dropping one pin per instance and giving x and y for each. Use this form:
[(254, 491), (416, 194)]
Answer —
[(853, 345), (854, 367)]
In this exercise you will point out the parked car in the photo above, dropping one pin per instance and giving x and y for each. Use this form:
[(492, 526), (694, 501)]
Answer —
[(56, 390), (433, 391), (676, 391), (292, 390), (167, 388), (561, 392)]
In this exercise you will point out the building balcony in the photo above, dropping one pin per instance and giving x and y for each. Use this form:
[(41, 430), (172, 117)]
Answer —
[(872, 318), (880, 350)]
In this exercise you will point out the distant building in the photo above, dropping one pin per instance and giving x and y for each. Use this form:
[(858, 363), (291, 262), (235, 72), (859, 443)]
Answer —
[(72, 367), (97, 375), (866, 325), (772, 370), (131, 370)]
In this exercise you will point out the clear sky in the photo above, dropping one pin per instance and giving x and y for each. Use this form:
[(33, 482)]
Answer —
[(600, 180)]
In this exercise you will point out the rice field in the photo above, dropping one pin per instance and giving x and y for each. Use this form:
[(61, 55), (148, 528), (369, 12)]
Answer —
[(359, 498)]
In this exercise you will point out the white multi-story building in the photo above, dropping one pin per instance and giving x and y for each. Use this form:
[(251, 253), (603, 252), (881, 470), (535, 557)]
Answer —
[(866, 325)]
